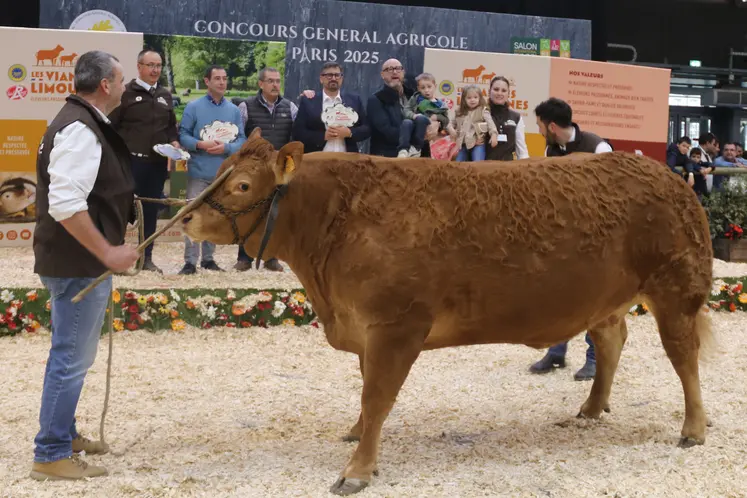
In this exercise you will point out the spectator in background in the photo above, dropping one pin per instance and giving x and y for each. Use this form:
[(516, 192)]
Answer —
[(740, 154), (311, 130), (200, 116), (423, 103), (708, 143), (146, 118), (678, 155), (701, 169), (385, 112), (727, 160), (274, 115), (508, 122)]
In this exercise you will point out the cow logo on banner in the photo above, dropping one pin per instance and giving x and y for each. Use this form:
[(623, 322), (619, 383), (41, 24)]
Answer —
[(17, 72), (98, 20)]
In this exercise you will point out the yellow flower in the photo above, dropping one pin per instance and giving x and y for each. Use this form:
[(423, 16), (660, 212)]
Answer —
[(178, 324), (743, 298), (163, 299), (289, 321), (300, 298), (116, 297), (163, 310), (645, 308), (118, 325), (35, 325), (142, 300)]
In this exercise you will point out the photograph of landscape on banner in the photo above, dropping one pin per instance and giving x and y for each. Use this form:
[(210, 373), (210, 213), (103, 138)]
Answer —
[(185, 59)]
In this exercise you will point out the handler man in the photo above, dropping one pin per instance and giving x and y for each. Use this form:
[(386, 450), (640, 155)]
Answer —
[(146, 118), (84, 201), (563, 137)]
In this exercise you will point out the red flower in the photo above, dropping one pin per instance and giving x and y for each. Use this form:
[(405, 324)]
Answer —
[(732, 307), (31, 316), (246, 324), (262, 323), (133, 308), (206, 325), (231, 325), (131, 326), (12, 325), (315, 324), (129, 295)]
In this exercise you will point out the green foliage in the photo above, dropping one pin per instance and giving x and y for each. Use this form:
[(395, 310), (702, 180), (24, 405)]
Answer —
[(727, 207)]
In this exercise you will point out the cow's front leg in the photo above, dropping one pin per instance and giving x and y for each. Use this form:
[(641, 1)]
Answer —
[(390, 353), (355, 433)]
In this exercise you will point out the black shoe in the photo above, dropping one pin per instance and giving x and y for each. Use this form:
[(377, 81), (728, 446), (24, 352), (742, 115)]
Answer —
[(547, 364), (210, 265), (149, 265), (587, 372), (188, 269)]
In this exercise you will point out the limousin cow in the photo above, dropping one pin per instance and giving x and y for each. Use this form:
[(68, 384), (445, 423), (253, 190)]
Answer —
[(400, 256)]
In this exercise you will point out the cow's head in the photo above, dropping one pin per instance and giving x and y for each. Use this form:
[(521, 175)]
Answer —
[(237, 210)]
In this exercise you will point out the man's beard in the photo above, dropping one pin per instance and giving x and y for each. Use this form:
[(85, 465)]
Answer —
[(552, 138)]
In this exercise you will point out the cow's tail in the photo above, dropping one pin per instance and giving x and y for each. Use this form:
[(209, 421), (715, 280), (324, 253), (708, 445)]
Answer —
[(708, 344)]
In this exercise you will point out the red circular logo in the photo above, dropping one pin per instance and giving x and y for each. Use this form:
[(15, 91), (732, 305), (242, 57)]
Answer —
[(12, 235), (25, 234), (17, 92)]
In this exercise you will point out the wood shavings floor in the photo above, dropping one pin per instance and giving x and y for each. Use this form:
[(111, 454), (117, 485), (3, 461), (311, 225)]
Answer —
[(260, 412)]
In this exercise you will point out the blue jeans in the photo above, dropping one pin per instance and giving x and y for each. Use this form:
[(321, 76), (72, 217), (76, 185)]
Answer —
[(413, 133), (559, 350), (76, 329), (476, 153), (195, 186)]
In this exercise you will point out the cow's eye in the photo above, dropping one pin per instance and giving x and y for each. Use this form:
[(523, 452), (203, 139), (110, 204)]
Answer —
[(244, 187)]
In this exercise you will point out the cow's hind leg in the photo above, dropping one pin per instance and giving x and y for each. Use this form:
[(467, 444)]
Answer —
[(681, 335), (609, 338), (390, 352)]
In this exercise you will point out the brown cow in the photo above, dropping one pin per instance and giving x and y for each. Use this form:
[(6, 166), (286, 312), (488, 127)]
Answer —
[(404, 255)]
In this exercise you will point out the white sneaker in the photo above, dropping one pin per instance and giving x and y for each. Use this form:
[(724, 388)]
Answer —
[(403, 153), (413, 152)]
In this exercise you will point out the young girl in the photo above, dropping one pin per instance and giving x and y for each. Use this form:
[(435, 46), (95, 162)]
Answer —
[(473, 123)]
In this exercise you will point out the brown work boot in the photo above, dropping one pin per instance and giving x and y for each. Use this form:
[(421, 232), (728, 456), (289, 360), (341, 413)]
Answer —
[(81, 443), (273, 265), (69, 468)]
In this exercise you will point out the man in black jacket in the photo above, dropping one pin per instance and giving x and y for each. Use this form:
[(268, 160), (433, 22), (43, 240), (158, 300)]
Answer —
[(384, 110), (146, 118)]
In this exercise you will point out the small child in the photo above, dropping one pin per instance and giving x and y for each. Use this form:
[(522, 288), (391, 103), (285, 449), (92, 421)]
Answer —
[(701, 169), (422, 108), (473, 123)]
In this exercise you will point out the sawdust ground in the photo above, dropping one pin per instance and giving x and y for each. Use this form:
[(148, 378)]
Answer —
[(260, 412)]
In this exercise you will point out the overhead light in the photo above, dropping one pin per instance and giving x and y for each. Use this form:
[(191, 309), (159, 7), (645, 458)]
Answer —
[(697, 63)]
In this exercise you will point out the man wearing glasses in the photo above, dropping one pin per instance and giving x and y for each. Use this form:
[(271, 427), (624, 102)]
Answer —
[(385, 112), (313, 132), (146, 118)]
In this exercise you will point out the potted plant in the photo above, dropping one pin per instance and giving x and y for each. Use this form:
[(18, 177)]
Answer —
[(727, 219)]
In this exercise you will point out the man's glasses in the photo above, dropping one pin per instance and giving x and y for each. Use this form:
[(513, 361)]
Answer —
[(393, 69), (331, 76)]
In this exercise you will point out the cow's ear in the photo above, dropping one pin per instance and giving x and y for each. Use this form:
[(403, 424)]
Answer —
[(288, 160)]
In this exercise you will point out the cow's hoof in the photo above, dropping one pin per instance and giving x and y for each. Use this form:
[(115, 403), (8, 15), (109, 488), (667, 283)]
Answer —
[(348, 486), (351, 438), (689, 442), (709, 423)]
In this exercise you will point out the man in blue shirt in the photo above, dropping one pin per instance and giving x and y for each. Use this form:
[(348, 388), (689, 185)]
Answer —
[(211, 130), (727, 160)]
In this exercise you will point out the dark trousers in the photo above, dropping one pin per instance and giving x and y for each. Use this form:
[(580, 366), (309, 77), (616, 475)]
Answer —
[(149, 180), (243, 256), (559, 350), (413, 133)]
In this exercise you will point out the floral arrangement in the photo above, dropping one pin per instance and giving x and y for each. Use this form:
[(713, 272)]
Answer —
[(727, 210), (170, 310), (29, 309)]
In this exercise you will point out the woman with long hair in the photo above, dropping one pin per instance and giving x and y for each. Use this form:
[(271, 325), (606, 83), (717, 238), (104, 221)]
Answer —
[(510, 125)]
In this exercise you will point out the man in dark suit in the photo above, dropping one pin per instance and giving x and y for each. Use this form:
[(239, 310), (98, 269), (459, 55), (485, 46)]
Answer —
[(311, 130)]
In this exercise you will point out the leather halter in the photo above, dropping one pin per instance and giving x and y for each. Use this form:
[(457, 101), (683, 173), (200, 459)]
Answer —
[(271, 212)]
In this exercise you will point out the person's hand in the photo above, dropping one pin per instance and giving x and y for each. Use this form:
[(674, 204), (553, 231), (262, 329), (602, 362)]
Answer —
[(120, 258), (218, 148), (432, 132), (494, 140), (206, 144), (705, 171), (176, 144), (342, 131), (309, 94), (691, 179)]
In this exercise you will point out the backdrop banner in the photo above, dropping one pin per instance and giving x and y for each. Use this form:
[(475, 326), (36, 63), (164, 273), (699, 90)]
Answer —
[(38, 75), (359, 36), (628, 105)]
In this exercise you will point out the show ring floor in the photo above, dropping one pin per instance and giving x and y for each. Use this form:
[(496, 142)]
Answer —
[(261, 412)]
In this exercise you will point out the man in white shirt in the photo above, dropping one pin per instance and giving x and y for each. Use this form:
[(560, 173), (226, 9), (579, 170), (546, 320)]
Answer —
[(84, 201)]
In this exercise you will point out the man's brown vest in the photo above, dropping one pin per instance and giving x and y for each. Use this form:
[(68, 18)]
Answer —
[(57, 253)]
